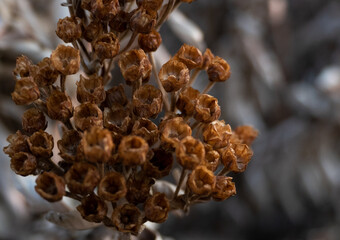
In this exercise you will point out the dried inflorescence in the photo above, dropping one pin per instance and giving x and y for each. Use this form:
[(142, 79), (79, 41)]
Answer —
[(117, 141)]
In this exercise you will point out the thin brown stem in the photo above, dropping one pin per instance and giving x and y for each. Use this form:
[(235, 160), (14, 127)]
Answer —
[(73, 196), (224, 171), (62, 82), (173, 101), (68, 124), (181, 178), (208, 87), (70, 8), (194, 76), (54, 167), (194, 125), (84, 49), (128, 45), (166, 13)]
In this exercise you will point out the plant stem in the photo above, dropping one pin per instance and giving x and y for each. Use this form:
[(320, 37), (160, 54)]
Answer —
[(183, 173)]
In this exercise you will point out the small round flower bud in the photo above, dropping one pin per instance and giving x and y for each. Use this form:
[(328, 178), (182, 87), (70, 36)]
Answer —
[(187, 100), (212, 158), (120, 22), (236, 158), (138, 186), (127, 218), (143, 21), (201, 181), (115, 96), (159, 165), (150, 5), (246, 134), (118, 120), (41, 144), (87, 115), (224, 188), (174, 75), (23, 163), (173, 131), (190, 56), (91, 31), (92, 208), (150, 42), (106, 46), (68, 145), (190, 152), (156, 208), (59, 106), (135, 65), (146, 129), (217, 134), (17, 143), (90, 89), (207, 58), (218, 70), (82, 178), (50, 186), (104, 9), (24, 67), (112, 187), (26, 91), (45, 73), (147, 101), (69, 29), (207, 109), (133, 150), (33, 120), (66, 59), (97, 145)]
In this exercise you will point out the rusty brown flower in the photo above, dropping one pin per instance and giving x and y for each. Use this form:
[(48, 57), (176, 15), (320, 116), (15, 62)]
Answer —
[(133, 150), (127, 218), (190, 152), (201, 181), (68, 145), (59, 106), (90, 89), (150, 42), (224, 188), (112, 187), (26, 91), (69, 29), (217, 134), (174, 75), (50, 186), (66, 59), (159, 165), (33, 120), (41, 144), (190, 56), (147, 101), (23, 163), (45, 73), (92, 208), (106, 46), (87, 115), (186, 101), (156, 208), (218, 70), (207, 109)]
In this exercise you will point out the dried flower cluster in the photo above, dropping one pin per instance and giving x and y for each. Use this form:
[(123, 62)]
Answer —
[(112, 151)]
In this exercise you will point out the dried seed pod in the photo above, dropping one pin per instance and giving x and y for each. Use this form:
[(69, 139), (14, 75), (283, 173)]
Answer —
[(156, 208), (118, 120), (112, 187), (82, 178), (97, 145), (69, 29), (174, 75), (207, 58), (147, 101), (120, 22), (217, 134), (135, 65), (33, 120), (92, 208), (23, 163), (187, 100), (91, 31), (138, 187), (159, 165), (224, 188), (68, 145), (127, 218), (115, 96), (142, 21), (26, 91), (104, 9), (45, 73), (59, 106), (87, 115), (17, 143), (150, 42), (173, 131), (150, 5), (201, 181), (90, 89), (218, 70), (246, 134), (24, 67), (66, 59), (190, 152), (133, 150), (190, 56), (212, 158), (146, 129), (207, 109), (41, 144), (106, 46), (50, 186), (237, 158)]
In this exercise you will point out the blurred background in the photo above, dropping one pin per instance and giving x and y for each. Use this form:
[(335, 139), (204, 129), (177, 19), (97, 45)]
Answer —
[(285, 61)]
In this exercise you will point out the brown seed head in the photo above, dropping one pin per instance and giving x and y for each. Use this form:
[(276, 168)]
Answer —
[(90, 89), (104, 9), (159, 165), (112, 187), (87, 115), (246, 134), (190, 56), (133, 150), (143, 21), (201, 181), (173, 131), (41, 144), (68, 145), (237, 157), (156, 208), (138, 186), (120, 22), (45, 73), (92, 208), (24, 67), (127, 218), (118, 120), (91, 31), (150, 42), (26, 91), (50, 186), (66, 59), (187, 100), (224, 188), (207, 58), (190, 152), (33, 120), (174, 75), (146, 129), (150, 5), (207, 109), (212, 158), (17, 143), (69, 29), (106, 46), (23, 163), (218, 70), (147, 101), (59, 106), (217, 134), (115, 96)]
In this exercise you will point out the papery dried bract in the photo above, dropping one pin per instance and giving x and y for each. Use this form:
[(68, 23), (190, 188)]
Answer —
[(50, 186), (26, 91), (66, 59)]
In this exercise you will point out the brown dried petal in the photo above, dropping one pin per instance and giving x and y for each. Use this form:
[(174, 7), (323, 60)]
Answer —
[(24, 67), (68, 145), (190, 56), (218, 70), (156, 208), (69, 29), (143, 21), (201, 181), (127, 218), (138, 186), (26, 91), (150, 42), (112, 187), (117, 120), (174, 75), (187, 100), (92, 208), (147, 101), (173, 131), (207, 109), (150, 5), (207, 58), (236, 158), (224, 188), (104, 9), (23, 163), (45, 73), (247, 134), (50, 186), (120, 22), (59, 106), (33, 120), (190, 152), (91, 31), (212, 158), (106, 46), (146, 129), (41, 144), (159, 165), (115, 96), (133, 150), (66, 59), (90, 89), (17, 143), (87, 115), (217, 134)]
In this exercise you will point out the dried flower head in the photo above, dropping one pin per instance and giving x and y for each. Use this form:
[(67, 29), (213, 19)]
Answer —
[(142, 21), (50, 186), (23, 163), (106, 46), (186, 101), (212, 158), (147, 101), (138, 186), (66, 59), (150, 42), (87, 115), (247, 134), (41, 144), (90, 89), (119, 23), (45, 73), (115, 96), (173, 131), (146, 129), (92, 208), (217, 134), (133, 150), (26, 91), (207, 109), (190, 56), (112, 187), (236, 158), (68, 145), (33, 120), (208, 56), (69, 29), (159, 165), (59, 106), (224, 188), (190, 152), (17, 143), (156, 208), (118, 120), (92, 30), (174, 75), (24, 67), (201, 181), (218, 70), (127, 218), (103, 9)]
